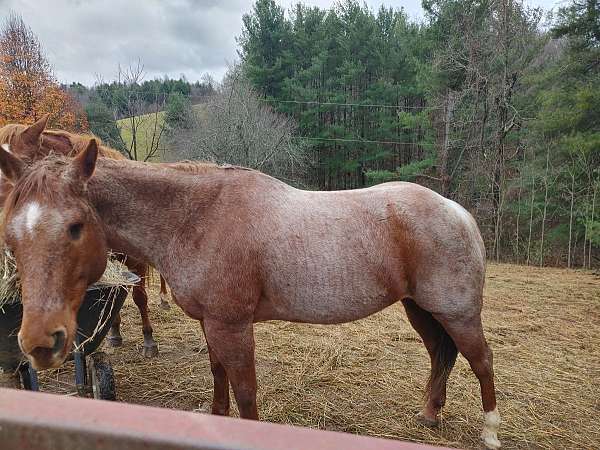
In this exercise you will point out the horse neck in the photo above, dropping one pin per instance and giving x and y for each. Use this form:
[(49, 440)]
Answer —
[(144, 206)]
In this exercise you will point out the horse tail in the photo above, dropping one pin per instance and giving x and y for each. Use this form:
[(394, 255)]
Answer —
[(443, 360)]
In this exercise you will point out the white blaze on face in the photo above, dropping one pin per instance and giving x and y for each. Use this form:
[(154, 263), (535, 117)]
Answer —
[(27, 219), (33, 212), (6, 147)]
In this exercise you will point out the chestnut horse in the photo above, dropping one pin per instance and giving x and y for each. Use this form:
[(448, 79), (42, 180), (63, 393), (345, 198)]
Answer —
[(22, 139), (238, 247)]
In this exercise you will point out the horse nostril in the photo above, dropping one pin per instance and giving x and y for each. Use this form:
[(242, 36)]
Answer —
[(59, 341)]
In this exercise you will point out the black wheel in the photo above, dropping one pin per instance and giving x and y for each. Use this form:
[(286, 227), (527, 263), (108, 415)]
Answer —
[(101, 377)]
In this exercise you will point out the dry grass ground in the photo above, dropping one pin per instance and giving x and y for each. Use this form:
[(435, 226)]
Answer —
[(367, 377)]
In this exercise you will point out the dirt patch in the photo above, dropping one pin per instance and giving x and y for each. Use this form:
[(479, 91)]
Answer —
[(367, 377)]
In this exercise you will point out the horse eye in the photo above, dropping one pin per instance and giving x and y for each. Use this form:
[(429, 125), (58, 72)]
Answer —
[(75, 230)]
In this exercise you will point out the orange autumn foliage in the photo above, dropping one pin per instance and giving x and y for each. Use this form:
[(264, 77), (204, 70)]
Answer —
[(28, 89)]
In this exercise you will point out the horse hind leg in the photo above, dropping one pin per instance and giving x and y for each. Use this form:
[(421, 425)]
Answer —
[(150, 349), (467, 332), (442, 352), (114, 338), (164, 295), (140, 298)]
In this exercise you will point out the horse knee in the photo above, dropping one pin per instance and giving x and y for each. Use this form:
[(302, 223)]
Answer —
[(217, 370)]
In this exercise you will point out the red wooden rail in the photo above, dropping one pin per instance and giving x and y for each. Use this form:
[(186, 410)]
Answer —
[(33, 420)]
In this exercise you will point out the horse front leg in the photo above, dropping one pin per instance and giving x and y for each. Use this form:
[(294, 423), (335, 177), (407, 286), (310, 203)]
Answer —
[(221, 403), (233, 347)]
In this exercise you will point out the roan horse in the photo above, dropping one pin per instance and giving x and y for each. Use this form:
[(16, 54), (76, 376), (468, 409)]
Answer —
[(238, 247), (35, 142)]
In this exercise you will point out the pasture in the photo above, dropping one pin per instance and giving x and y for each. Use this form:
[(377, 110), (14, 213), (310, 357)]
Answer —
[(367, 377), (145, 131), (148, 126)]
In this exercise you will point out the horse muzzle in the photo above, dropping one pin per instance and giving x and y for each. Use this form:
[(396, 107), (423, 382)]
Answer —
[(48, 352)]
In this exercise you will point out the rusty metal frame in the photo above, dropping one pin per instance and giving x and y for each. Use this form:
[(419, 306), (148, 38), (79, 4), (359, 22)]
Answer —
[(34, 420)]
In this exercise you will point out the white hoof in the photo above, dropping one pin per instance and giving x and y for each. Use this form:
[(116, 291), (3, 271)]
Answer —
[(491, 442), (489, 435)]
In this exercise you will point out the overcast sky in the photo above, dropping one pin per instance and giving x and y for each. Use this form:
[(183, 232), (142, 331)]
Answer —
[(87, 38)]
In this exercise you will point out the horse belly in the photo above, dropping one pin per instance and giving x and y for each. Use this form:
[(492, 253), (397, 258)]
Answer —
[(325, 295)]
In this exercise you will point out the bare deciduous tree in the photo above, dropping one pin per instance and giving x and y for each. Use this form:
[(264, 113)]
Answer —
[(145, 129), (236, 127)]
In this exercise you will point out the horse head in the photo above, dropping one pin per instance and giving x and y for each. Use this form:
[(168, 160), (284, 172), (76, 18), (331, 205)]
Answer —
[(59, 246)]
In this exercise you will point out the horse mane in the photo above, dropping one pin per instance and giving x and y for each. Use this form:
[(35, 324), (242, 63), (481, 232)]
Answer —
[(201, 167), (79, 143), (193, 167), (52, 139), (9, 131), (73, 144)]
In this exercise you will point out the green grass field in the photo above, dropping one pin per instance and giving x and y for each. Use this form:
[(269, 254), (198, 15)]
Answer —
[(146, 129)]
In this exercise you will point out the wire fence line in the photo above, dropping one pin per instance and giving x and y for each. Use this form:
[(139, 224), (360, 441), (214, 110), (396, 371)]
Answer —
[(364, 141), (359, 105)]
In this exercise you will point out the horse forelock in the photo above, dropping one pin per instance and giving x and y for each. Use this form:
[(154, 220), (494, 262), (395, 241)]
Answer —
[(42, 179)]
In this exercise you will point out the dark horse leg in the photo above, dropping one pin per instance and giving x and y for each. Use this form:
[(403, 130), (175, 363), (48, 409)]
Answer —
[(232, 345), (114, 338), (150, 349), (467, 333), (220, 405), (442, 353), (164, 303)]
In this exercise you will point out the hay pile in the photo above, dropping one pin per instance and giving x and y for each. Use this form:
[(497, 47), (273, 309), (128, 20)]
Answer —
[(367, 377), (10, 288)]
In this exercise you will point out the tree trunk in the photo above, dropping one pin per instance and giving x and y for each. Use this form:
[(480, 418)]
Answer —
[(531, 218), (571, 218), (545, 207), (444, 153), (591, 223)]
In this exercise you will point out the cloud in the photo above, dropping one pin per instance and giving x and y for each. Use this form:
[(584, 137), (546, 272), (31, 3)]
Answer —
[(86, 38)]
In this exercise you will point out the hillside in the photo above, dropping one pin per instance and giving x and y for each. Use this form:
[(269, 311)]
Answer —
[(146, 130)]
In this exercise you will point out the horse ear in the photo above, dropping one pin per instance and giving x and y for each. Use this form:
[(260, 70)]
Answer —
[(11, 166), (31, 134), (85, 162)]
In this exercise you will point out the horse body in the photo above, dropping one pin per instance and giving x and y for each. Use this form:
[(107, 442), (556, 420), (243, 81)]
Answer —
[(318, 257), (237, 246), (340, 256)]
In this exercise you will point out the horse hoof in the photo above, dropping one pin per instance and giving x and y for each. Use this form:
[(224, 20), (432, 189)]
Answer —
[(491, 443), (114, 341), (150, 351), (220, 411), (165, 305), (427, 421), (203, 408)]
